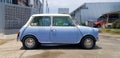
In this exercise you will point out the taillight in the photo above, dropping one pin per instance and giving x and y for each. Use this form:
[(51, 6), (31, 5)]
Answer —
[(18, 34)]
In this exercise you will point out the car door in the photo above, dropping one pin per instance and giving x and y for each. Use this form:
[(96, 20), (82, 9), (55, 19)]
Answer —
[(63, 30), (40, 27)]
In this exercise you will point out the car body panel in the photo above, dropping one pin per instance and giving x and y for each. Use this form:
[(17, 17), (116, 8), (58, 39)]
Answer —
[(41, 33), (69, 34), (89, 31)]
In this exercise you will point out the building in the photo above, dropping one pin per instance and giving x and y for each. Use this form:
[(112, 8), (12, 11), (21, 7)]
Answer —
[(37, 6), (63, 10), (14, 16), (15, 13), (24, 2), (9, 1), (92, 11)]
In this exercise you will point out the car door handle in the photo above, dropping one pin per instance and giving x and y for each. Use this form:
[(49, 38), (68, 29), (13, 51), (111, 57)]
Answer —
[(53, 30)]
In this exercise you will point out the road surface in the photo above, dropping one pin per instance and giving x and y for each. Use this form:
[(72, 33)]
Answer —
[(107, 47)]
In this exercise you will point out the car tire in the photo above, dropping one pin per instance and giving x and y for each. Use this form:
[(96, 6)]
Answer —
[(88, 42), (99, 26), (30, 42)]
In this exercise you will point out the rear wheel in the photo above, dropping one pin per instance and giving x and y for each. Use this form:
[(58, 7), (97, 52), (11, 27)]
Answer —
[(30, 42), (88, 42)]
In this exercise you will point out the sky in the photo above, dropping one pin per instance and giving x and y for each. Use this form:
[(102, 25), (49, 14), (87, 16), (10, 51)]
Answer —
[(71, 4)]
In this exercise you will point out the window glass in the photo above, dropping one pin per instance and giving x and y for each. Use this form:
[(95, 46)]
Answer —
[(62, 21), (41, 21)]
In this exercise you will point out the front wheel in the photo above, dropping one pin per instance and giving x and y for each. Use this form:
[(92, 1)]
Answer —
[(30, 42), (88, 42)]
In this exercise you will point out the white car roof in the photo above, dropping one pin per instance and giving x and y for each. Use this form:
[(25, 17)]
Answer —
[(51, 15)]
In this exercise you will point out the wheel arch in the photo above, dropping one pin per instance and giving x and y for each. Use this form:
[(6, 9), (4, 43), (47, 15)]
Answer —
[(81, 43), (29, 35), (35, 39), (87, 35)]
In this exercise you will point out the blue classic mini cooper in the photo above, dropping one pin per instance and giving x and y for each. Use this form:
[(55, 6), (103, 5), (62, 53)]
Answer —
[(57, 29)]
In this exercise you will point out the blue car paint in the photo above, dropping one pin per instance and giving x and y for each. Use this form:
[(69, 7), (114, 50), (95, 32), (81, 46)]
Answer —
[(21, 33), (41, 33), (46, 35), (54, 34), (65, 35), (89, 31)]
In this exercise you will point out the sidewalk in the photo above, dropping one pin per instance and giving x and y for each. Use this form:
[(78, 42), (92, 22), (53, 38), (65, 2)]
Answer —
[(109, 35)]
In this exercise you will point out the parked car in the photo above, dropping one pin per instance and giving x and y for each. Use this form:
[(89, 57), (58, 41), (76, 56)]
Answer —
[(97, 24), (57, 29)]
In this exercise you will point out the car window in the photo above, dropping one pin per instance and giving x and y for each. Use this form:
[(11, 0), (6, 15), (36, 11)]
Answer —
[(41, 21), (62, 21)]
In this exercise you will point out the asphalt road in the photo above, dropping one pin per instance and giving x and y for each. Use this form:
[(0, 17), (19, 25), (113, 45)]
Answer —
[(107, 47)]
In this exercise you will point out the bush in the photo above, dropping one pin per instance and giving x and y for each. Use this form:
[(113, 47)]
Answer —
[(82, 23), (114, 31), (104, 30), (116, 24)]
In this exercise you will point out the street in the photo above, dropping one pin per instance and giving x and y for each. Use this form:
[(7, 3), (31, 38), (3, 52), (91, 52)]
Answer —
[(107, 47)]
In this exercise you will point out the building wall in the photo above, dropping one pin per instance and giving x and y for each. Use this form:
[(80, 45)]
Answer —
[(94, 10), (63, 10), (9, 1), (2, 17), (16, 16), (37, 7), (78, 15)]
